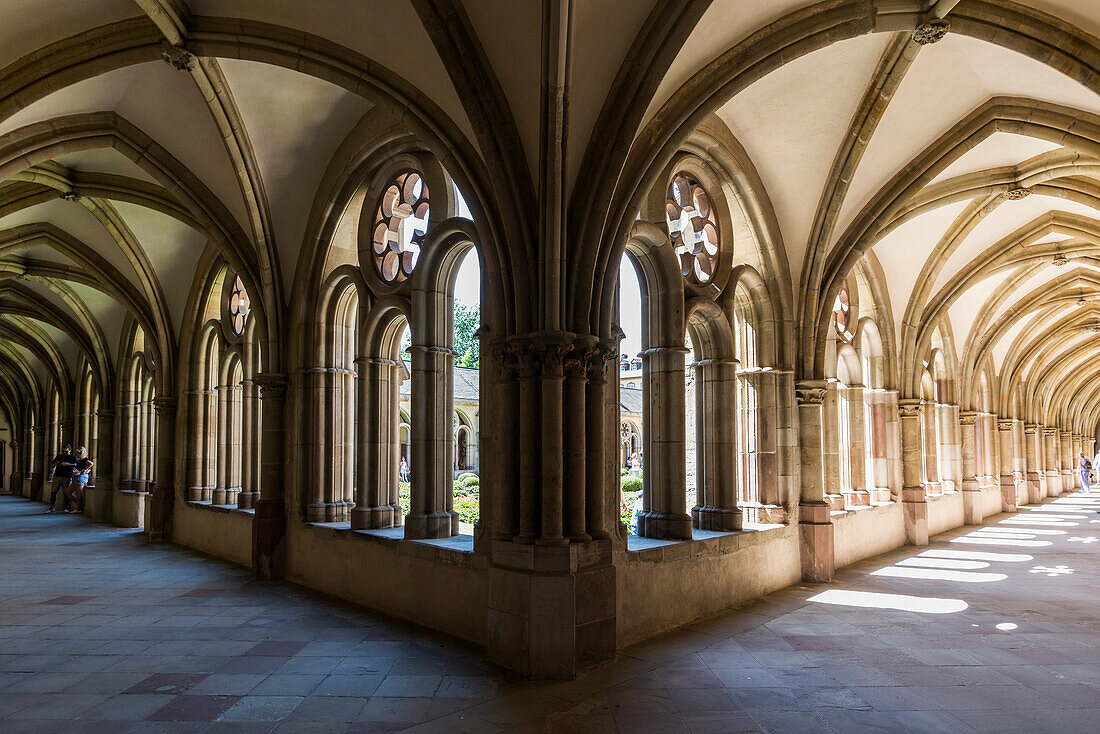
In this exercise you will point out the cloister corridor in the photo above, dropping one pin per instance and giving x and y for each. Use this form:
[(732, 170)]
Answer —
[(990, 629)]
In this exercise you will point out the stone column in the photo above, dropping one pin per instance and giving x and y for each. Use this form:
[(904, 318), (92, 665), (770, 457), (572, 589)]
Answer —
[(1005, 427), (99, 505), (972, 496), (664, 460), (717, 507), (930, 446), (269, 524), (914, 496), (432, 406), (857, 446), (220, 489), (814, 519), (1032, 456), (196, 444), (377, 504), (600, 480), (950, 460), (879, 481), (895, 473), (1050, 462), (767, 434), (246, 500), (992, 468), (1065, 454), (158, 519)]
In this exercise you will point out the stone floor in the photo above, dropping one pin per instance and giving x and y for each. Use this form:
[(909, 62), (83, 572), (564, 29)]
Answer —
[(988, 630)]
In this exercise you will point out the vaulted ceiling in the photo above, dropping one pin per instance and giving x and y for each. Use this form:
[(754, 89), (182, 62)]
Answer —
[(964, 168)]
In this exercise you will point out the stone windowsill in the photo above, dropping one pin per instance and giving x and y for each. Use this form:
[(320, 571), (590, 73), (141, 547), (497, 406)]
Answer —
[(458, 549), (702, 543), (207, 505), (880, 506)]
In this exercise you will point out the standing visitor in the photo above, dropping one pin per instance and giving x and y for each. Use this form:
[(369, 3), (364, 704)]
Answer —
[(82, 473), (635, 464), (62, 465), (403, 470), (1084, 467)]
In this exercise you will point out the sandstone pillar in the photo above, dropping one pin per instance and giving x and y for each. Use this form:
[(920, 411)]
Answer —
[(158, 519), (551, 595), (1032, 457), (269, 524), (430, 513), (664, 473), (814, 519), (99, 501), (914, 496), (972, 496), (1065, 456), (1051, 463), (1008, 465), (928, 426), (377, 504), (716, 385)]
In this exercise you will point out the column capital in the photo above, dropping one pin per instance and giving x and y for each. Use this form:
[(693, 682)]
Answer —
[(105, 414), (165, 406), (909, 407), (1049, 432), (810, 392), (968, 417), (273, 385), (1004, 424), (1030, 428)]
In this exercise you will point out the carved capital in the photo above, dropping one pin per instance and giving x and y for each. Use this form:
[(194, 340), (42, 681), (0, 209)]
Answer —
[(810, 392), (273, 385), (1030, 428), (909, 408), (178, 57), (931, 31), (1004, 424), (1050, 432), (968, 417), (70, 196), (106, 414), (165, 407)]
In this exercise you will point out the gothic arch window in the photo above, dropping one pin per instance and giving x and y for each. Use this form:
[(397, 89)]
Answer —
[(748, 405), (222, 405)]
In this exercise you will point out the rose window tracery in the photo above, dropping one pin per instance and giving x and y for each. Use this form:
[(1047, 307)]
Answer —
[(693, 227), (842, 312), (238, 306), (400, 224)]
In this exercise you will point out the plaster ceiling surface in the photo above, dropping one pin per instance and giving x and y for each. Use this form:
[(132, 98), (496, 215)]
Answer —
[(1008, 338), (902, 251), (173, 249), (999, 149), (1052, 237), (108, 312), (166, 105), (1084, 14), (1006, 219), (724, 24), (98, 94), (28, 25), (295, 123), (511, 37), (389, 33), (65, 345), (964, 310), (947, 81), (792, 123), (78, 222), (104, 160), (1040, 278)]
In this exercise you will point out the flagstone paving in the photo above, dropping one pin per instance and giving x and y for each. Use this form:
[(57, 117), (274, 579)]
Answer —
[(992, 629)]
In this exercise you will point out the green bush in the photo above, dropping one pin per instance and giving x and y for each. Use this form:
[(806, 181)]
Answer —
[(468, 480), (466, 475), (632, 484)]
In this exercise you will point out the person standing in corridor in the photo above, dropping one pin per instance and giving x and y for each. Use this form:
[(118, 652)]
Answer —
[(62, 465), (1084, 468)]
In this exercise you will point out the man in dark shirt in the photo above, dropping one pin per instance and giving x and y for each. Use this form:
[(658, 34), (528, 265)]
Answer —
[(63, 465)]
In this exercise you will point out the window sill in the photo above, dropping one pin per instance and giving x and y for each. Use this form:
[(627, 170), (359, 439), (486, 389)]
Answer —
[(703, 542), (862, 508), (207, 505), (462, 544)]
